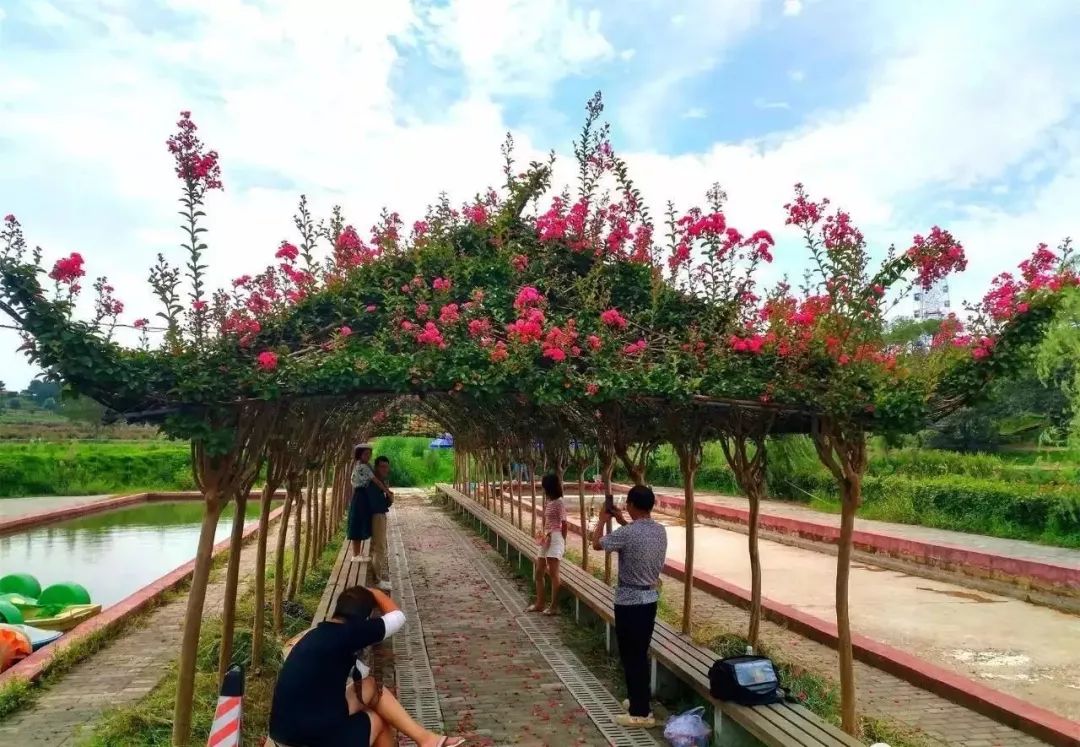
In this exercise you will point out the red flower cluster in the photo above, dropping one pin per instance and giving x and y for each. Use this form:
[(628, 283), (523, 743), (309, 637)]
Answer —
[(754, 343), (528, 296), (287, 252), (519, 262), (479, 327), (635, 348), (559, 342), (529, 327), (441, 285), (476, 214), (936, 256), (140, 323), (594, 342), (267, 360), (612, 318), (449, 314), (558, 225), (351, 251), (804, 212), (242, 325), (431, 335), (68, 270), (499, 352), (197, 168)]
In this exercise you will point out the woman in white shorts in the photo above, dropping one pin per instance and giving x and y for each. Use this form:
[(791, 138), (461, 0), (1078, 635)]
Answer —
[(552, 540)]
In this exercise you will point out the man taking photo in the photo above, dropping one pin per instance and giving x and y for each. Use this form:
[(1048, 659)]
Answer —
[(641, 545)]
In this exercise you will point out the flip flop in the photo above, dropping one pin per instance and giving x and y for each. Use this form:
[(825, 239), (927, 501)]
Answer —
[(533, 608), (551, 613), (445, 742)]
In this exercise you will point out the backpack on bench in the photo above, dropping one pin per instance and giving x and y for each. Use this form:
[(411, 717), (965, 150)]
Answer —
[(745, 680)]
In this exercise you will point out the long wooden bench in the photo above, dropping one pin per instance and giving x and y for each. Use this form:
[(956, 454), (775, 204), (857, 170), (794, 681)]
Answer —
[(672, 654)]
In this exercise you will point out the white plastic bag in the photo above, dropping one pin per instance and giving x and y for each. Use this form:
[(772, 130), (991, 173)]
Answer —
[(688, 729)]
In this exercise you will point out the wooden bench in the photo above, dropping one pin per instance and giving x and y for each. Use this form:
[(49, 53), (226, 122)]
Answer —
[(672, 654)]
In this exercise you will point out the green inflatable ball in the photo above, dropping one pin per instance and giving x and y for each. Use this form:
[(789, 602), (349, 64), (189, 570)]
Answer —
[(64, 595), (9, 613), (20, 583)]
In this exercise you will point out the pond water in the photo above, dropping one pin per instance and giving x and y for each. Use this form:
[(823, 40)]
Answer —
[(116, 552)]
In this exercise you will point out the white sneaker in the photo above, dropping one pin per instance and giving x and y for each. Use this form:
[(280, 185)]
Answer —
[(385, 586), (357, 559)]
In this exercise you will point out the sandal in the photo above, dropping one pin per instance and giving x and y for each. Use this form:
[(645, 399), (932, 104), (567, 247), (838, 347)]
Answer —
[(533, 608), (445, 742), (551, 612)]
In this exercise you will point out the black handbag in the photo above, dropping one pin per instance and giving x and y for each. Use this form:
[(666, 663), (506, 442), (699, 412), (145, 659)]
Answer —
[(746, 680)]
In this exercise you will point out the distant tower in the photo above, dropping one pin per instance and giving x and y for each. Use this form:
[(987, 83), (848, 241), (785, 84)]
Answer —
[(933, 303)]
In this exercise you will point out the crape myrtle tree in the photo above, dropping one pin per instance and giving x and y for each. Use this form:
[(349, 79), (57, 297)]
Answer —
[(526, 321)]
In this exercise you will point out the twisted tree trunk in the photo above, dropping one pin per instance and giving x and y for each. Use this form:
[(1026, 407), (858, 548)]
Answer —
[(232, 581)]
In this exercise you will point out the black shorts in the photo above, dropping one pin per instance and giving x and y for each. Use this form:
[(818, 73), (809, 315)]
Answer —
[(353, 731)]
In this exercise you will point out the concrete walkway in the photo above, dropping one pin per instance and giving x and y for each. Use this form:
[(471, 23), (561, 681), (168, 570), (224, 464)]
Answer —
[(122, 673), (498, 676), (11, 508)]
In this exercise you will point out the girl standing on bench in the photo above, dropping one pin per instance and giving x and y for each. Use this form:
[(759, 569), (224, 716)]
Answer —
[(552, 545), (313, 706)]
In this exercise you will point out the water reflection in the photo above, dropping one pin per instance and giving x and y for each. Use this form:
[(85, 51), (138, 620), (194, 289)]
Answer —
[(114, 553)]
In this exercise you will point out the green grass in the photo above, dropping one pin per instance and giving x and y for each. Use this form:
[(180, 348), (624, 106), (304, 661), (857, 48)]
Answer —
[(93, 467), (148, 723)]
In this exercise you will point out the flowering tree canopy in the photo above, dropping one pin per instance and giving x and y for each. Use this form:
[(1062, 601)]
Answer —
[(582, 301)]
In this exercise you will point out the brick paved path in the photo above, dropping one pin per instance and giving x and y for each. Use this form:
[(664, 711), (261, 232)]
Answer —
[(494, 684), (118, 675)]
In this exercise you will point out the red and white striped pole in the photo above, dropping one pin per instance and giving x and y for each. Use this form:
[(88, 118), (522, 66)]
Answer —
[(226, 729)]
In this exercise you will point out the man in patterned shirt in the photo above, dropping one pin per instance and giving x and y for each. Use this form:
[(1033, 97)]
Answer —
[(641, 545)]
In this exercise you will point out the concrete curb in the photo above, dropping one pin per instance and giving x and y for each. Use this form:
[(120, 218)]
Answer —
[(1004, 708), (41, 518), (35, 665)]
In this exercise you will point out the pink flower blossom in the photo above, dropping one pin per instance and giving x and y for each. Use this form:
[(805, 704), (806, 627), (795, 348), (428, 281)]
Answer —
[(499, 352), (371, 308), (68, 270), (345, 331), (936, 256), (527, 328), (198, 306), (592, 389), (612, 318), (528, 296), (9, 218), (594, 342), (194, 166), (422, 310), (804, 212), (408, 326), (420, 229), (476, 213), (287, 252), (441, 284), (267, 360), (556, 354), (140, 323), (479, 327), (242, 281), (519, 262), (449, 314), (431, 335), (635, 348)]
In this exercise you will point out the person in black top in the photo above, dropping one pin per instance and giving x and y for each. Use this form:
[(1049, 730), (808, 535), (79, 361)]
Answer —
[(314, 707)]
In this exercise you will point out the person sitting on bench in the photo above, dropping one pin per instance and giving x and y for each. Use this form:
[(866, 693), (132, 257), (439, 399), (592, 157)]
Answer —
[(314, 707)]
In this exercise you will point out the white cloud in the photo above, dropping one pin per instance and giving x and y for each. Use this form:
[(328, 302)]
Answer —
[(519, 46), (792, 7), (695, 112), (761, 103), (797, 76)]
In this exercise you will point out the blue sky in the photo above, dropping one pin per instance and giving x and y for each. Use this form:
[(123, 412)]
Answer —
[(908, 114)]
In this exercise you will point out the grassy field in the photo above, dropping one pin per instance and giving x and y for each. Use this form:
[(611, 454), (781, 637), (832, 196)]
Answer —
[(93, 467)]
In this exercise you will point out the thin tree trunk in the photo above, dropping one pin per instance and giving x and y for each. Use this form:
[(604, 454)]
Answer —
[(582, 520), (688, 473), (298, 549), (755, 569), (189, 645), (279, 562), (606, 470), (532, 498), (326, 520), (258, 624), (232, 581), (843, 620), (520, 497)]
